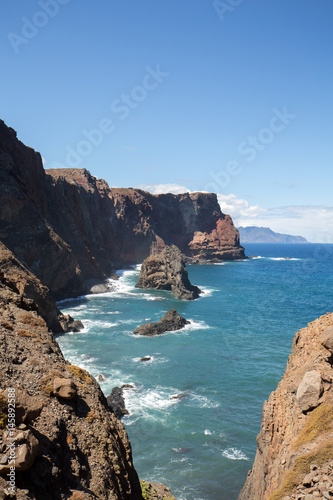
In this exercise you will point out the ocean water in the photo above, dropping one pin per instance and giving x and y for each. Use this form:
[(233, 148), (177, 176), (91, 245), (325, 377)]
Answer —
[(223, 365)]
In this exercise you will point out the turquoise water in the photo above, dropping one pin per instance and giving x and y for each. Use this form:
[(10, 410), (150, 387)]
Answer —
[(225, 363)]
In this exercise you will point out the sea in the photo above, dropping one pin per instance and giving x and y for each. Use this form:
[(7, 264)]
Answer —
[(195, 406)]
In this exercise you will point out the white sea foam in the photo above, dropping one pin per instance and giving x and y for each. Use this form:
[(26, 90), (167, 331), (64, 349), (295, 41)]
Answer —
[(195, 325), (234, 454), (207, 292), (208, 432)]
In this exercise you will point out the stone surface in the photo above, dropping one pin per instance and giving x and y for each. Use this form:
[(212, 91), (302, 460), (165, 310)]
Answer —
[(170, 322), (327, 339), (27, 408), (26, 450), (309, 390), (167, 271), (64, 388)]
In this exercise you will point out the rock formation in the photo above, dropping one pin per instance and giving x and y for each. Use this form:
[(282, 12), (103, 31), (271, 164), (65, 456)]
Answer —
[(294, 457), (61, 429), (167, 271), (116, 402), (170, 322), (71, 227)]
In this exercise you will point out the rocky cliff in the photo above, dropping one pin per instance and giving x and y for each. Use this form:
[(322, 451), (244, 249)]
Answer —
[(66, 443), (294, 457), (67, 226)]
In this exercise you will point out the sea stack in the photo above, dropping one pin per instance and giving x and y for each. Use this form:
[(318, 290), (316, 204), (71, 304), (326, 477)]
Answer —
[(167, 271)]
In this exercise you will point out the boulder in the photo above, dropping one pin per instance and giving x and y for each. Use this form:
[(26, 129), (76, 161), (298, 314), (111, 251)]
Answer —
[(116, 402), (326, 339), (167, 271), (25, 446), (27, 408), (170, 322), (64, 388), (309, 391)]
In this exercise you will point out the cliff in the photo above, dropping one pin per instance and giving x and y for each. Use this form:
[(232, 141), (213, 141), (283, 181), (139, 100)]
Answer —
[(294, 458), (253, 234), (67, 226), (77, 446)]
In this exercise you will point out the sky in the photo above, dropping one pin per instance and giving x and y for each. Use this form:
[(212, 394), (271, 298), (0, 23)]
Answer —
[(232, 97)]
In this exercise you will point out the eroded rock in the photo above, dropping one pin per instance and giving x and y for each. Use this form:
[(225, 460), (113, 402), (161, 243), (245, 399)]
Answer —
[(64, 388), (326, 339), (20, 452), (170, 322), (167, 271), (309, 391)]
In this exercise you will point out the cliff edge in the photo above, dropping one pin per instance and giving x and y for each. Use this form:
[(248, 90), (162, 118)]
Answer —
[(294, 458), (68, 227)]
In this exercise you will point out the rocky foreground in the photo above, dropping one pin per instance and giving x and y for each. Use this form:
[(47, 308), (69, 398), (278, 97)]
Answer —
[(294, 457), (67, 442)]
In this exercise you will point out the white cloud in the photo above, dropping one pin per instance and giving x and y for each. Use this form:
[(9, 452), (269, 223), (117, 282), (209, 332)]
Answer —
[(237, 207), (164, 188), (313, 222)]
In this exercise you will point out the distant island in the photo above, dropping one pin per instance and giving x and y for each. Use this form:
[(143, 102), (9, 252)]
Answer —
[(253, 234)]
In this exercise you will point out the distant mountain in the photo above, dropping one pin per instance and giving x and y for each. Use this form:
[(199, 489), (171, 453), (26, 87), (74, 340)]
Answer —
[(253, 234)]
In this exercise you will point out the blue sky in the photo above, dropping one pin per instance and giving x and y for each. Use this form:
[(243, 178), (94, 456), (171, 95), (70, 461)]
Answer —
[(227, 96)]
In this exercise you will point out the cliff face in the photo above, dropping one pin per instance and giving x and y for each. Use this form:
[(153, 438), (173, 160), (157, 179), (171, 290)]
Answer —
[(69, 445), (295, 444), (67, 226)]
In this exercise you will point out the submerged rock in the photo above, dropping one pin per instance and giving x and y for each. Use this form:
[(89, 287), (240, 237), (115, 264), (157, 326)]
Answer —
[(170, 322), (167, 271)]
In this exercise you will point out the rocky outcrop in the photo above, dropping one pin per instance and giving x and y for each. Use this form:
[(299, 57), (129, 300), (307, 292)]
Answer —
[(116, 402), (294, 457), (20, 286), (68, 227), (170, 322), (65, 435), (167, 271)]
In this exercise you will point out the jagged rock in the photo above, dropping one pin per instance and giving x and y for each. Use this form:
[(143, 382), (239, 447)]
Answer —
[(64, 388), (24, 452), (145, 358), (101, 378), (170, 322), (167, 271), (116, 402), (326, 339), (309, 390)]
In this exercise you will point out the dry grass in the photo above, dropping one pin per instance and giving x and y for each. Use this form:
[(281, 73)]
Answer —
[(79, 373), (29, 319), (300, 468), (320, 421), (92, 415)]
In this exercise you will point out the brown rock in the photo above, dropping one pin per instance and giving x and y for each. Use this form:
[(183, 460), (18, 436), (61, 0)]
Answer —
[(27, 408), (64, 388), (309, 390), (167, 271), (170, 322), (26, 450), (326, 339)]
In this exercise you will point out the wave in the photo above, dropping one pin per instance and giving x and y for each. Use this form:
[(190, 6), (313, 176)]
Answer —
[(234, 454), (207, 292), (273, 258)]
